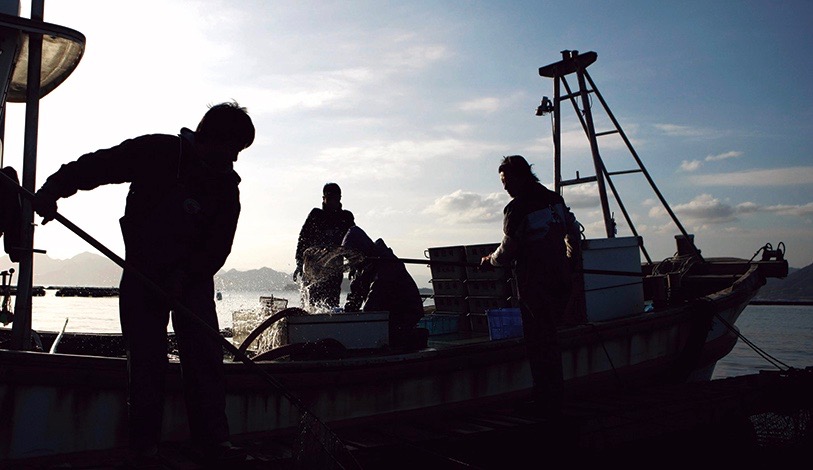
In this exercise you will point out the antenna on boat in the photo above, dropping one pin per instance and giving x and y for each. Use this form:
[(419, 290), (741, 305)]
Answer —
[(573, 62)]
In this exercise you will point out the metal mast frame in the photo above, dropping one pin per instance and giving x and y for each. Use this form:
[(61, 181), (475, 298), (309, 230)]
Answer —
[(573, 62)]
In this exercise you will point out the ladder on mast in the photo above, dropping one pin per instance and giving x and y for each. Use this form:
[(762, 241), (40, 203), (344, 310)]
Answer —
[(573, 62)]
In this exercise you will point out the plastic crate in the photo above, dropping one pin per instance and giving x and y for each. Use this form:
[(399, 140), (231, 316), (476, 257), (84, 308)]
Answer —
[(444, 271), (478, 304), (478, 322), (475, 253), (451, 304), (504, 323), (488, 287), (440, 324), (448, 287), (447, 254)]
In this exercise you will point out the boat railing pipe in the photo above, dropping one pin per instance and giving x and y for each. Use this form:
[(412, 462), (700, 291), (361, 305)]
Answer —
[(604, 272)]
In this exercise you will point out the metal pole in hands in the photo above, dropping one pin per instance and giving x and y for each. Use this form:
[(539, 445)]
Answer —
[(323, 430)]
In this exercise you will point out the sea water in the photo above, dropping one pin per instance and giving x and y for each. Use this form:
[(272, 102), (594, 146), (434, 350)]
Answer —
[(773, 335)]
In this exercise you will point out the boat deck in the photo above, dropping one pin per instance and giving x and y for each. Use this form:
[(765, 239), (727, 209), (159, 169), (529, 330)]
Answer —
[(766, 415)]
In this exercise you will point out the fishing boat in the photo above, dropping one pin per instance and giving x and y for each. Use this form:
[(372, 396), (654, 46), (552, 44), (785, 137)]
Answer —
[(648, 322)]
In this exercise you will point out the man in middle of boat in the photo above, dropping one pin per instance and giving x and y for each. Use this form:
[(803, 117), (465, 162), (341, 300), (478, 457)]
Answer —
[(381, 282), (541, 243), (323, 230)]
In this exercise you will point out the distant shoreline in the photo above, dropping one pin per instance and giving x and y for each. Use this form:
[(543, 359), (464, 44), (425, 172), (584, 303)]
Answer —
[(781, 302)]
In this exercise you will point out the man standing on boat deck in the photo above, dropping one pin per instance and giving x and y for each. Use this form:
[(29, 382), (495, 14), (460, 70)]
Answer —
[(541, 243), (178, 228), (324, 228)]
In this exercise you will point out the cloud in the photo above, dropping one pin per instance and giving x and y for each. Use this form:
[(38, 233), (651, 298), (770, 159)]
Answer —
[(724, 156), (706, 208), (675, 130), (582, 196), (488, 105), (693, 165), (748, 208), (415, 57), (803, 210), (400, 159), (464, 207), (767, 177)]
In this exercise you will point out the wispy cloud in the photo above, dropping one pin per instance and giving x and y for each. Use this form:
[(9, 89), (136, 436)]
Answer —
[(693, 165), (487, 104), (724, 156), (799, 210), (464, 207), (398, 159), (416, 56), (767, 177), (707, 209), (675, 130), (582, 196)]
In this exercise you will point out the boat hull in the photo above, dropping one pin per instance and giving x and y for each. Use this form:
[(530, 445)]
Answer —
[(60, 403)]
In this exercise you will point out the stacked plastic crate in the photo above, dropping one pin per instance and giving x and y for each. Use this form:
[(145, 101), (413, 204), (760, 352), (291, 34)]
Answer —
[(462, 290), (448, 284), (486, 289)]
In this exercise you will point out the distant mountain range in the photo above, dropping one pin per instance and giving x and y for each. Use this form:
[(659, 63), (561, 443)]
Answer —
[(91, 270), (798, 286)]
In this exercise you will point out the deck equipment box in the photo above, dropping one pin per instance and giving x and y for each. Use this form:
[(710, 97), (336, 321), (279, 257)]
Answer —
[(610, 296), (368, 330)]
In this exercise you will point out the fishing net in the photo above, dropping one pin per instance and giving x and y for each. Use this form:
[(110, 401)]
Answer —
[(322, 269), (316, 450), (244, 321), (321, 262), (790, 429)]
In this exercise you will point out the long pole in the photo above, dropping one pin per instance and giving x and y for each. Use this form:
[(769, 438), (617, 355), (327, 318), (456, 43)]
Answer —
[(21, 329), (177, 306)]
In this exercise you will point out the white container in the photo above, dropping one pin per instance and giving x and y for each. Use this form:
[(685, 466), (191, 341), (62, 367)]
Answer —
[(367, 330), (612, 296)]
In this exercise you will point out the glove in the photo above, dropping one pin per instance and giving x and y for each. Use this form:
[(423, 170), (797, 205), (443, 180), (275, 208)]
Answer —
[(45, 205), (297, 272), (485, 264)]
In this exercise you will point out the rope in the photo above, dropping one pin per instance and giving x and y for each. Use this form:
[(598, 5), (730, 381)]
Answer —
[(772, 360), (607, 353)]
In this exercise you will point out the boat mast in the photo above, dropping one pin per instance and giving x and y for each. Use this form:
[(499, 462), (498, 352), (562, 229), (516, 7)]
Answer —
[(573, 62)]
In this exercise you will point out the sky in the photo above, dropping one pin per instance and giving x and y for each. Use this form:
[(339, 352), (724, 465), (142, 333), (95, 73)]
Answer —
[(409, 107)]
